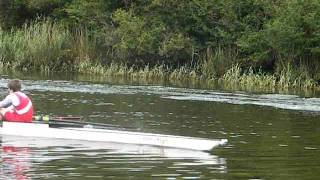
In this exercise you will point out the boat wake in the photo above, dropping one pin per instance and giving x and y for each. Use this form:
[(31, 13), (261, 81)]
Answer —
[(290, 102)]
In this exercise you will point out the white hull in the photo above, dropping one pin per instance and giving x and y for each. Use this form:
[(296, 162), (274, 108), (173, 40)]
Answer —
[(106, 135)]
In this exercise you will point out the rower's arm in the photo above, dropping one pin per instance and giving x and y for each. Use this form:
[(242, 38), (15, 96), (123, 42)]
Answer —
[(6, 102)]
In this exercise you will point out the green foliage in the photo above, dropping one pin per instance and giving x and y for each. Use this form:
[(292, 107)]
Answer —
[(35, 45), (251, 17), (207, 36), (291, 36), (132, 33), (45, 45), (296, 31), (87, 13), (43, 7), (16, 12), (216, 64), (197, 21), (175, 45)]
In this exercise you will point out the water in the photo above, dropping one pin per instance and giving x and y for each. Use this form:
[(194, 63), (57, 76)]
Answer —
[(271, 136)]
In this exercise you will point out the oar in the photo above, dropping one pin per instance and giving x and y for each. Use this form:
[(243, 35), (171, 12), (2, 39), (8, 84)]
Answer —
[(47, 118), (72, 122)]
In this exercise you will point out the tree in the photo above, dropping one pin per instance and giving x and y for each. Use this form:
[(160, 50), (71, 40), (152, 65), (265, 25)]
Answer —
[(15, 13), (291, 36)]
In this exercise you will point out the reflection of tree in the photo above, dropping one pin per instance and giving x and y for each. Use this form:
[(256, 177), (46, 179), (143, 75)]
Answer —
[(14, 163)]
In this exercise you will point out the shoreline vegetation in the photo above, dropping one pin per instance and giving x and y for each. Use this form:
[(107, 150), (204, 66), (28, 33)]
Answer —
[(250, 50)]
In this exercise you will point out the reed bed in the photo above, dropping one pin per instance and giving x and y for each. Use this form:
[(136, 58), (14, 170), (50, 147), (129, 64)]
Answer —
[(234, 78), (287, 79), (47, 46), (35, 45)]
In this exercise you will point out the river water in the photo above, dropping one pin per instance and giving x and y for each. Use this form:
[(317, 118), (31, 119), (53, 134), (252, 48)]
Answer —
[(271, 136)]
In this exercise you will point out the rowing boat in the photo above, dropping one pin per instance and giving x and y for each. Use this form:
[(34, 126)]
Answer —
[(88, 133)]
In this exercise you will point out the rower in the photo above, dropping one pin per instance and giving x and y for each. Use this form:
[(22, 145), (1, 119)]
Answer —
[(17, 106)]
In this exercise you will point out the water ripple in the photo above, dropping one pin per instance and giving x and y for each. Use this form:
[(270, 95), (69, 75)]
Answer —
[(291, 102)]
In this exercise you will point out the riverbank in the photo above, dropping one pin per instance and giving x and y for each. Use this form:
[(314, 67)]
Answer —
[(47, 46), (235, 79)]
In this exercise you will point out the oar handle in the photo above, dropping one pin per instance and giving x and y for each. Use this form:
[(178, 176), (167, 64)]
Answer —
[(41, 118)]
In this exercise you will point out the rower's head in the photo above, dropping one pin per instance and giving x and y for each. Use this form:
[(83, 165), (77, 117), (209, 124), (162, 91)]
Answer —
[(14, 85)]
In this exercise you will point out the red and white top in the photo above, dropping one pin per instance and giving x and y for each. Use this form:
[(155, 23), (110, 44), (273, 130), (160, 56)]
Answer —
[(20, 105)]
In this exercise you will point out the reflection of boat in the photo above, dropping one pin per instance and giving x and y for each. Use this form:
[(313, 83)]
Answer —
[(108, 135), (15, 162), (79, 146)]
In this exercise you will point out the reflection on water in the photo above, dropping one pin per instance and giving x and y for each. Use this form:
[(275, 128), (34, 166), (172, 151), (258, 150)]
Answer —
[(15, 162), (27, 158)]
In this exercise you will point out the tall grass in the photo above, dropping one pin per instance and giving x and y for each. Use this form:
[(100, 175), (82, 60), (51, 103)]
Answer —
[(48, 46), (35, 45), (288, 78), (215, 64), (296, 78)]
